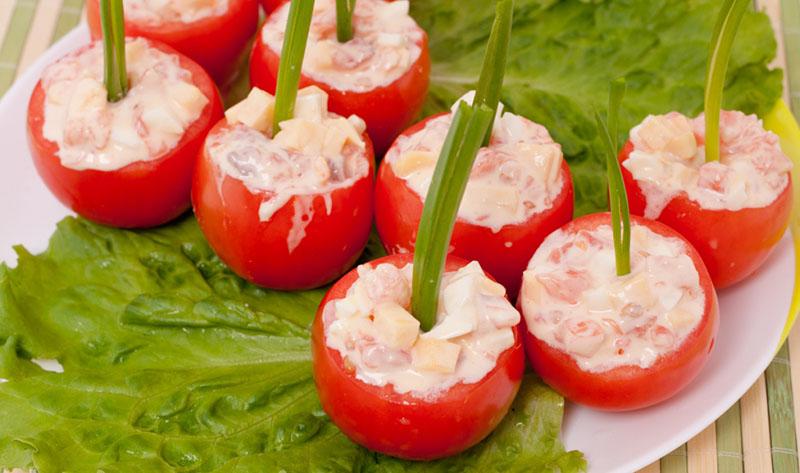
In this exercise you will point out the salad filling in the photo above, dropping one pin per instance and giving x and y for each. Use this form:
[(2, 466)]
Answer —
[(668, 158), (93, 133), (158, 12), (574, 301), (516, 176), (385, 44), (314, 153), (381, 341)]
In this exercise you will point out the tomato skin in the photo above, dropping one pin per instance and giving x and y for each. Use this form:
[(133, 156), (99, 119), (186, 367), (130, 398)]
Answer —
[(398, 210), (744, 238), (629, 387), (402, 425), (258, 251), (271, 5), (386, 110), (215, 42), (141, 194)]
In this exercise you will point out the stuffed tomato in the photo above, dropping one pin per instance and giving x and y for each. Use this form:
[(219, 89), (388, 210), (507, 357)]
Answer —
[(519, 191), (128, 163), (617, 342), (289, 211), (381, 74), (214, 33), (408, 394), (733, 211)]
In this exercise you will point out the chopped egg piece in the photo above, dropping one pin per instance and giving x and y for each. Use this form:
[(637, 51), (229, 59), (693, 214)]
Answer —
[(668, 159), (573, 300), (517, 176), (380, 339), (92, 133), (386, 43)]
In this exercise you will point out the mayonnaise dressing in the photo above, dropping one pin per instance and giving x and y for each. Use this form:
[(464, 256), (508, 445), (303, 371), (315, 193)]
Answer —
[(158, 12), (383, 48), (93, 133), (573, 300), (312, 155), (668, 158), (516, 176), (381, 341)]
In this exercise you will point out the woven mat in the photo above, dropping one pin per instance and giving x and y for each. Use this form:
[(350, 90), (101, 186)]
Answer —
[(758, 434)]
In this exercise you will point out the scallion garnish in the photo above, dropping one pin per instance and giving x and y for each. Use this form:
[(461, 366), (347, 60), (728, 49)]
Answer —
[(618, 199), (730, 16), (291, 63), (466, 135), (112, 21), (344, 20)]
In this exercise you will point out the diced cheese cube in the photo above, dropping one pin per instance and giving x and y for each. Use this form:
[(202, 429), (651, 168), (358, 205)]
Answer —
[(495, 342), (321, 55), (188, 100), (301, 134), (389, 11), (161, 118), (311, 104), (391, 39), (88, 95), (346, 127), (483, 195), (122, 130), (680, 319), (255, 111), (413, 161), (395, 326), (671, 133), (431, 354), (358, 124), (547, 159), (334, 141), (633, 289), (134, 50), (492, 288), (532, 289)]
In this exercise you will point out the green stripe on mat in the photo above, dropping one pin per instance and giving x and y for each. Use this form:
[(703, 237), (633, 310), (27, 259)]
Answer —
[(729, 441), (14, 41), (790, 18), (68, 19), (675, 461), (781, 414)]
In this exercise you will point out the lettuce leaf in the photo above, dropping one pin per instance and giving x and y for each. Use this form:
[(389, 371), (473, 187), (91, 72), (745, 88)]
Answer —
[(563, 55), (172, 362)]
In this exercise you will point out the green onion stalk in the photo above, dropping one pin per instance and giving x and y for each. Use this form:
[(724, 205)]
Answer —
[(469, 128), (291, 63), (617, 198), (344, 20), (730, 16), (115, 74)]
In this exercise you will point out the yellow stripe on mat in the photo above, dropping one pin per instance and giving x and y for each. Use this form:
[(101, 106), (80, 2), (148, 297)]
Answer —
[(755, 429), (6, 8), (702, 452), (40, 33)]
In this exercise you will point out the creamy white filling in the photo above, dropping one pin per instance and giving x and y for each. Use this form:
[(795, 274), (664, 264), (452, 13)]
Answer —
[(668, 158), (93, 133), (157, 12), (377, 337), (573, 300), (383, 47), (313, 154), (516, 176)]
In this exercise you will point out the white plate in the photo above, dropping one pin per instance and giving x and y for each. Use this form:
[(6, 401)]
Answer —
[(753, 314)]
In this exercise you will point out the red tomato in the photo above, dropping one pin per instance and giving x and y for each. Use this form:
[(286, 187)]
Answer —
[(733, 244), (398, 210), (630, 387), (386, 110), (141, 194), (270, 5), (402, 425), (257, 251), (214, 42)]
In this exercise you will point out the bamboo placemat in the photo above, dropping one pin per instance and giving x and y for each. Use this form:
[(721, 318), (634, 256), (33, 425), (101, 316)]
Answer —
[(758, 434)]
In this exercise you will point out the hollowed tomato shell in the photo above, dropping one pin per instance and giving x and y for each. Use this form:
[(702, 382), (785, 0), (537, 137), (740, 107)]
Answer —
[(141, 194), (227, 212), (402, 425), (214, 42), (629, 387), (732, 243), (386, 110), (504, 254)]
